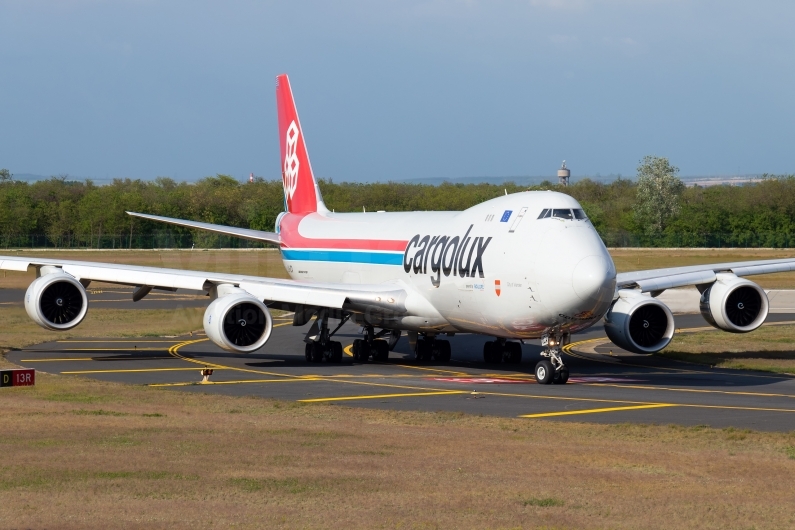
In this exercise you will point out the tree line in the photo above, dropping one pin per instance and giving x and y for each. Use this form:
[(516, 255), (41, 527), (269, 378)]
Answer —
[(655, 209)]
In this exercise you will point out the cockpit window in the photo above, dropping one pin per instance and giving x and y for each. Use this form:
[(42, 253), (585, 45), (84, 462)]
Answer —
[(579, 214), (561, 214), (545, 213)]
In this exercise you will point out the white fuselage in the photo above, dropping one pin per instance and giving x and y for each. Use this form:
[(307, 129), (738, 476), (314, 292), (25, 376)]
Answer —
[(495, 268)]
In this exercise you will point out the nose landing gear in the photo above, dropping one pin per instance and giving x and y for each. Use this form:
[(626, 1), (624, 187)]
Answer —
[(552, 370)]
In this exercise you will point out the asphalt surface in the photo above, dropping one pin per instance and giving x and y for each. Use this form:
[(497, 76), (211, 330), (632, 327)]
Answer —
[(607, 384)]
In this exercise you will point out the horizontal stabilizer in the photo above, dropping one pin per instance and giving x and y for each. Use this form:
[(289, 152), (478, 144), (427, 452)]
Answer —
[(243, 233)]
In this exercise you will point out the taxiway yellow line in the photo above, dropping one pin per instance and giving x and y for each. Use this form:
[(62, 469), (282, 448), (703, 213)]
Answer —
[(233, 382), (692, 390), (161, 348), (92, 359), (133, 370), (595, 411), (115, 341), (383, 396)]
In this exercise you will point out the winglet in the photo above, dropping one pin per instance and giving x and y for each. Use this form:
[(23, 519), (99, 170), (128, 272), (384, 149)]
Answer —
[(301, 193)]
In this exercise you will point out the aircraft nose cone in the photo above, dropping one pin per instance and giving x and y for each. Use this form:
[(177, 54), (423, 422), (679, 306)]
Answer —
[(591, 278)]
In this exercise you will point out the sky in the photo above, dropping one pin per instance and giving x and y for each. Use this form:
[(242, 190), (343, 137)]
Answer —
[(396, 89)]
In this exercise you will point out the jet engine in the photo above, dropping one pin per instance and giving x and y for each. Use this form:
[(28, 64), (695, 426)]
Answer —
[(638, 323), (734, 304), (56, 301), (238, 322)]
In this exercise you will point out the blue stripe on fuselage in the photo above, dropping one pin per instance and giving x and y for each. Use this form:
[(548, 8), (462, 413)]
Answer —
[(344, 256)]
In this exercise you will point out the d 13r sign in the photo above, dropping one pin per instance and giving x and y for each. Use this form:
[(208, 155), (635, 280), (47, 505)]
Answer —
[(17, 377)]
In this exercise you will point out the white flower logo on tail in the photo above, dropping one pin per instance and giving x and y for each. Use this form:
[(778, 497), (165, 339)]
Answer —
[(291, 164)]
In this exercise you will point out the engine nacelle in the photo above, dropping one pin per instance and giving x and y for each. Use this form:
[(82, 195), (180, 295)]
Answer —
[(238, 322), (734, 304), (639, 323), (56, 301)]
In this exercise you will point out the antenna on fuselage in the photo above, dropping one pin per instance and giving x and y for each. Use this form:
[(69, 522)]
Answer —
[(563, 175)]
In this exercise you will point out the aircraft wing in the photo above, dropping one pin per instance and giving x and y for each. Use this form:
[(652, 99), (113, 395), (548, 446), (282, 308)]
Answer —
[(390, 297), (661, 279), (244, 233)]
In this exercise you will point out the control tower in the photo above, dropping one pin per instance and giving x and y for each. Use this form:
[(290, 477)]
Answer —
[(563, 175)]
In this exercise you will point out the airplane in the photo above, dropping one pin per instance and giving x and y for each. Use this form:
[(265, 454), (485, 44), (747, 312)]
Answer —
[(527, 265)]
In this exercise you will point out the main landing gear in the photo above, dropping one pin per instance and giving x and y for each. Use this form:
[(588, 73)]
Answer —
[(374, 346), (430, 348), (319, 345), (551, 370), (499, 351)]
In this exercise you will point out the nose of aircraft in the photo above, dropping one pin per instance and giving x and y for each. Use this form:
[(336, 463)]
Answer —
[(593, 278)]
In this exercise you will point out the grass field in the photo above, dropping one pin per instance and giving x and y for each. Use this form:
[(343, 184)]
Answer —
[(769, 348), (79, 453), (18, 330)]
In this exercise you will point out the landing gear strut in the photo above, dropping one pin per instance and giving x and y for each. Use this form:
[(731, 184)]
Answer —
[(500, 350), (430, 348), (319, 345), (551, 369), (373, 345)]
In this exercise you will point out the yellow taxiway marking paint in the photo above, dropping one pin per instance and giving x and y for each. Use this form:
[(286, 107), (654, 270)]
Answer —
[(114, 341), (93, 359), (450, 372), (55, 360), (133, 370), (161, 348), (383, 396), (348, 350), (693, 390), (594, 411), (233, 382)]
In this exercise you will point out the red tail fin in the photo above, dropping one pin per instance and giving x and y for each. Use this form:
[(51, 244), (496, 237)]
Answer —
[(300, 189)]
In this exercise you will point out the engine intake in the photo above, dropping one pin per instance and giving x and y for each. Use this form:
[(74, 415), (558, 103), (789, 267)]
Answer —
[(238, 322), (734, 304), (57, 301), (638, 323)]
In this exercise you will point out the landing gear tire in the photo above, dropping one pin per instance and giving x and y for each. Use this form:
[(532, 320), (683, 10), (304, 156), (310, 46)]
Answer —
[(514, 352), (544, 372), (493, 352), (423, 350), (335, 352), (561, 376), (380, 350), (361, 351), (317, 352), (442, 351), (308, 352)]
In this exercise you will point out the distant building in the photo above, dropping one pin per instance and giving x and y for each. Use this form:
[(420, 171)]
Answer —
[(563, 175)]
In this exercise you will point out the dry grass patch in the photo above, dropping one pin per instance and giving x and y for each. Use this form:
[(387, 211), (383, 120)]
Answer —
[(18, 330), (769, 348), (80, 453)]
